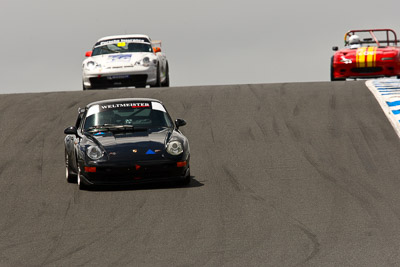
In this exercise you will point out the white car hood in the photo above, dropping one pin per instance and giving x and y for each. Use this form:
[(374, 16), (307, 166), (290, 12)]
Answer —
[(119, 59)]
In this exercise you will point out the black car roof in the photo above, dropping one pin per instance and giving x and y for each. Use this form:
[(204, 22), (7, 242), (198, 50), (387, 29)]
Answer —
[(119, 100)]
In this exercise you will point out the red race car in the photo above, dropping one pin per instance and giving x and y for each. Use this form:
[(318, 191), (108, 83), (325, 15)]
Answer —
[(367, 54)]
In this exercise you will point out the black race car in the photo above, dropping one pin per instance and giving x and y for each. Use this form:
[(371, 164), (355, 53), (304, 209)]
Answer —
[(125, 141)]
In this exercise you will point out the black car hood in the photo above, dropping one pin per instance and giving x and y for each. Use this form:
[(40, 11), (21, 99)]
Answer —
[(134, 145)]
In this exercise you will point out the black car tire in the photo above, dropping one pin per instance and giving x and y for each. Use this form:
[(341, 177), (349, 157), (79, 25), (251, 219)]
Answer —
[(166, 82), (186, 181), (69, 175), (81, 184)]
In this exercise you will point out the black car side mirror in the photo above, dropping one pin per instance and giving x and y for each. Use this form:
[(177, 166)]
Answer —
[(71, 130), (179, 123), (335, 48)]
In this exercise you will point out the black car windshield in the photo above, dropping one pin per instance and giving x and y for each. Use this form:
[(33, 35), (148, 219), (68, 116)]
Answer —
[(147, 114), (122, 47)]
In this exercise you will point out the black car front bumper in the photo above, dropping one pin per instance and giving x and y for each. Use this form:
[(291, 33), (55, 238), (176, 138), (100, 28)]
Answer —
[(134, 173)]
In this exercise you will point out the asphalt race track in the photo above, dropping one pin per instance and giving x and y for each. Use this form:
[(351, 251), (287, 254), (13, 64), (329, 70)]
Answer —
[(302, 174)]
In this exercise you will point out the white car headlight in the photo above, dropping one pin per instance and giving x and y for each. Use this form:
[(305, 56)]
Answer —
[(174, 148), (94, 152), (91, 65), (146, 61)]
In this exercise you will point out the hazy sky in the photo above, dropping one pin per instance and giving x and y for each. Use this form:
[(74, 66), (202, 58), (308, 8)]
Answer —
[(206, 42)]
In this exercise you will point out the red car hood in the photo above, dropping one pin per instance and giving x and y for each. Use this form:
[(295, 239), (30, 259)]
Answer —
[(366, 56)]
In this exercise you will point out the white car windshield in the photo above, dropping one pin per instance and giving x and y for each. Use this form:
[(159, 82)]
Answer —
[(122, 47)]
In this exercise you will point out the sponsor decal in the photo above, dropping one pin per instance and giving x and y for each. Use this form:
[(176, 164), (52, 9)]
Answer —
[(119, 41), (140, 106), (117, 77), (126, 105), (119, 58), (150, 152), (121, 44), (154, 105), (346, 60)]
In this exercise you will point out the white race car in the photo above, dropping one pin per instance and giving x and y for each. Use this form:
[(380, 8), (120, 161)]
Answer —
[(123, 61)]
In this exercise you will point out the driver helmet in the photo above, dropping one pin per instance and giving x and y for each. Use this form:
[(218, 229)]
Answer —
[(354, 41)]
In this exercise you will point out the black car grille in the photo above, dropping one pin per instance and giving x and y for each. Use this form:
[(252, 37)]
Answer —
[(367, 70), (125, 174), (130, 80)]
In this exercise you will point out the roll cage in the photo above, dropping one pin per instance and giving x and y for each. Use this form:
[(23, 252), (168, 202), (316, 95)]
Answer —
[(388, 37)]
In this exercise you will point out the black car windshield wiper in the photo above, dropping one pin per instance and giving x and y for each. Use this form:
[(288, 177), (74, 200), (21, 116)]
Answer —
[(128, 128), (116, 128), (102, 127)]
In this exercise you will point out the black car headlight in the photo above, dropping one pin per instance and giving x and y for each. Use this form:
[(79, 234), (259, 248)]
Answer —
[(174, 148), (94, 152)]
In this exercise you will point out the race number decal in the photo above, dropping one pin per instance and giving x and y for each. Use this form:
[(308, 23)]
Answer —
[(366, 57)]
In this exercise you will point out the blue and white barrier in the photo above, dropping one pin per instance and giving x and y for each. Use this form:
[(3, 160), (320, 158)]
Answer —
[(387, 92)]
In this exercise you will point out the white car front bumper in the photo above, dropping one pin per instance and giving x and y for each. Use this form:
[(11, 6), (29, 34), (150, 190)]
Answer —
[(119, 76)]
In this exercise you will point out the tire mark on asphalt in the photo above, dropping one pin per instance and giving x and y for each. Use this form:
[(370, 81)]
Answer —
[(212, 135), (263, 131), (349, 187), (101, 235), (296, 111), (332, 102), (59, 236), (363, 154), (248, 134), (72, 104), (316, 246), (3, 167), (186, 108), (240, 187), (294, 131), (275, 126)]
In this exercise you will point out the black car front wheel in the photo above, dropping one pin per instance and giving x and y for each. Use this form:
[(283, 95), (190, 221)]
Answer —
[(69, 175), (186, 180), (81, 184)]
